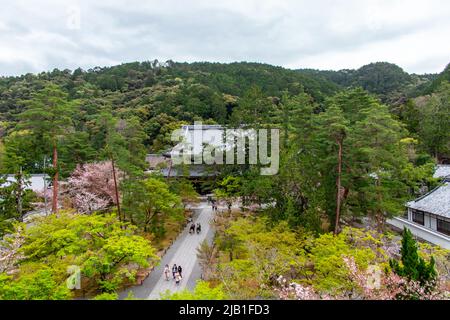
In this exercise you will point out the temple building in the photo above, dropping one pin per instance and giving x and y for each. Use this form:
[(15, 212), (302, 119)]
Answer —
[(428, 217)]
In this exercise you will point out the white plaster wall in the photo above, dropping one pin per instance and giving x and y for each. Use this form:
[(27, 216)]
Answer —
[(421, 232)]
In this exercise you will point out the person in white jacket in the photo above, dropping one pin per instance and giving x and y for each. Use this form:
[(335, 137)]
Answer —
[(167, 272)]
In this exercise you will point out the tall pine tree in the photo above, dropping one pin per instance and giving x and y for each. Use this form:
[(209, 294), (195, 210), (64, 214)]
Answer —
[(48, 117)]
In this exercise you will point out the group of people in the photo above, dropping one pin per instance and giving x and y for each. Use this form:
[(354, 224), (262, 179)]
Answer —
[(177, 270), (176, 273), (193, 228), (213, 203)]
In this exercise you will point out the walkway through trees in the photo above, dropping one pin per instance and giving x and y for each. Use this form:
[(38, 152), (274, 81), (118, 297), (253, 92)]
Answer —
[(182, 252)]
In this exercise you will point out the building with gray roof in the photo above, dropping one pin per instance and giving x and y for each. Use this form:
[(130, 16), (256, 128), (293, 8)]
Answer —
[(428, 217), (442, 172)]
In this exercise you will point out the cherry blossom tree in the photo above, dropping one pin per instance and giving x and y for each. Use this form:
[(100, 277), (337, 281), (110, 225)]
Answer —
[(91, 186), (388, 285), (295, 291), (370, 284)]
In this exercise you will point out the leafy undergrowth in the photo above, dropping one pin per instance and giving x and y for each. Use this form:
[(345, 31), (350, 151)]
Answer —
[(259, 259), (105, 251)]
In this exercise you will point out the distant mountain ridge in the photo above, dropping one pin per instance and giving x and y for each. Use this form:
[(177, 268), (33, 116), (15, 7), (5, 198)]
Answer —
[(205, 85), (384, 79), (436, 81)]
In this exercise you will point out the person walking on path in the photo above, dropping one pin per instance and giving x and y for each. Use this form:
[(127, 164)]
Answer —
[(180, 270), (199, 228), (182, 252), (178, 278), (192, 228), (174, 270), (166, 272)]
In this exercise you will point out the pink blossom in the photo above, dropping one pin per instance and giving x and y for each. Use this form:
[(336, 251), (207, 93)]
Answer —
[(389, 287), (91, 186)]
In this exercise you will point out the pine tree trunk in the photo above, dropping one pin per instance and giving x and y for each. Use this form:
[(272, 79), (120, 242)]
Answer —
[(20, 193), (116, 190), (55, 180), (379, 213), (338, 184)]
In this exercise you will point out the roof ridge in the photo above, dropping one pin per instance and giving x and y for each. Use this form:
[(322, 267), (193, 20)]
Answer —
[(430, 192)]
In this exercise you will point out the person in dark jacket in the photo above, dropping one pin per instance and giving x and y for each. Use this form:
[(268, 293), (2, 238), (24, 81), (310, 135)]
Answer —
[(174, 270), (180, 270)]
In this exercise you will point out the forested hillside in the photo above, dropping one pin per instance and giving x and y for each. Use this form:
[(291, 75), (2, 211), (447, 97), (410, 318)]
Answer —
[(433, 86), (152, 96), (388, 81), (156, 94), (167, 83)]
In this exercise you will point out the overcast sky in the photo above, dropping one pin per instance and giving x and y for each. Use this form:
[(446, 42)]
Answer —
[(324, 34)]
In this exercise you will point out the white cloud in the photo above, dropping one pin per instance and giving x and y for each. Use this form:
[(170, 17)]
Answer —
[(327, 34)]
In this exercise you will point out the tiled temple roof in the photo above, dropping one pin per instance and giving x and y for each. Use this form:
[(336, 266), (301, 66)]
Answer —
[(436, 202)]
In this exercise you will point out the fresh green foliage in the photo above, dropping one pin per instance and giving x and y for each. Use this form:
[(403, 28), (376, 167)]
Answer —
[(434, 128), (202, 291), (442, 77), (254, 109), (228, 190), (263, 252), (39, 285), (149, 203), (354, 144), (103, 248), (46, 120), (185, 189), (413, 266), (387, 80), (376, 159), (15, 200), (106, 296)]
